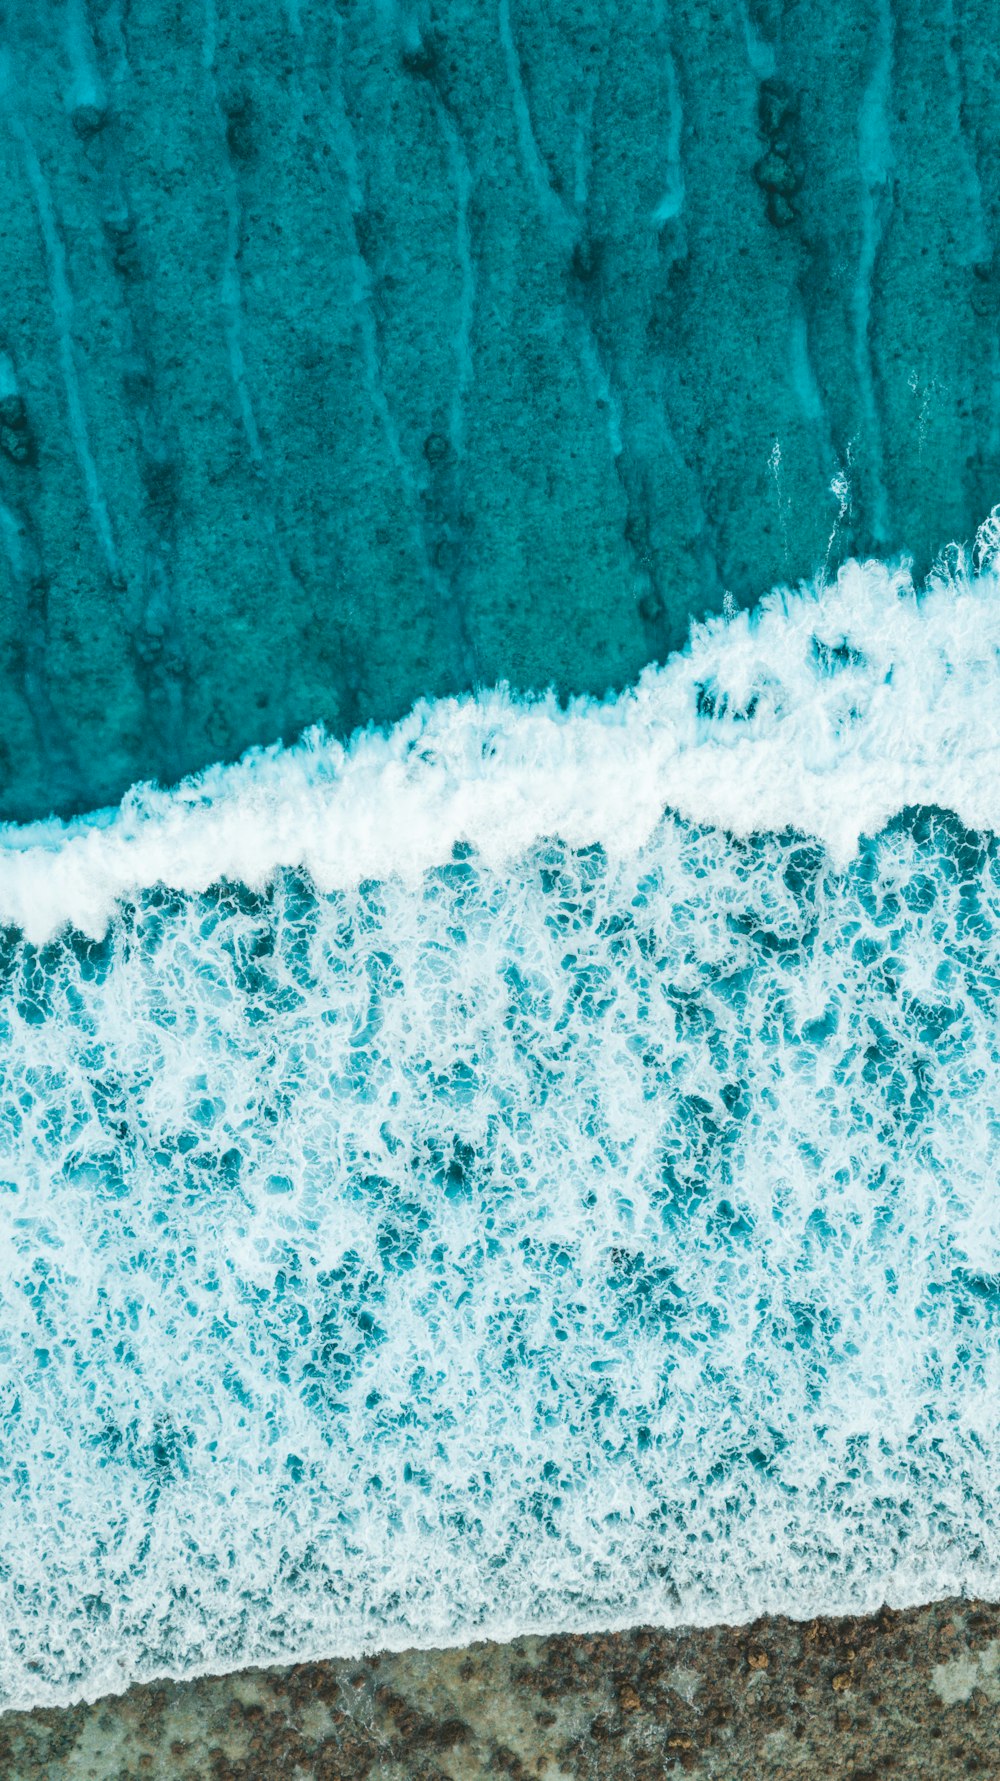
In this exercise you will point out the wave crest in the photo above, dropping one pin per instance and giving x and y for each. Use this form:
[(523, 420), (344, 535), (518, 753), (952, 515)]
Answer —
[(826, 711)]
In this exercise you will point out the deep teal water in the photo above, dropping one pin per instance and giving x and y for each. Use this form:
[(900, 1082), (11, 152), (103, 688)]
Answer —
[(358, 354)]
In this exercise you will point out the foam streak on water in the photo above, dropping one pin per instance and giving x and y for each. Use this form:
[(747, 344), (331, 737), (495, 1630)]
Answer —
[(551, 1232)]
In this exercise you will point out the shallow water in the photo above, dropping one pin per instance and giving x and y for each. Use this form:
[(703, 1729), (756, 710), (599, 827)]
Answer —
[(356, 354)]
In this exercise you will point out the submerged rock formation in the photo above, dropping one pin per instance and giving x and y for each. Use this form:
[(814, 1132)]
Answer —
[(904, 1695), (350, 353)]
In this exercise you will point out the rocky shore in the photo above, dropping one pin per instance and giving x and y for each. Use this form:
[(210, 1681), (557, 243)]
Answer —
[(896, 1695)]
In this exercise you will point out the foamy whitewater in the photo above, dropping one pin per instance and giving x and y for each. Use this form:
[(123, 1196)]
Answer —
[(532, 1170)]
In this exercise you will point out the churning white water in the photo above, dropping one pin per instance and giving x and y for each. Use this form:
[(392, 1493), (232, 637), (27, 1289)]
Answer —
[(532, 1170)]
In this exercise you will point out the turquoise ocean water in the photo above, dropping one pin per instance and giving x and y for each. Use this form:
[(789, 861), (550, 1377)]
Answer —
[(533, 1164)]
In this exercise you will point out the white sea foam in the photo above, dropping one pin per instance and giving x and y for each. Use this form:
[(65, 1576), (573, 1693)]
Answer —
[(826, 710), (592, 1223)]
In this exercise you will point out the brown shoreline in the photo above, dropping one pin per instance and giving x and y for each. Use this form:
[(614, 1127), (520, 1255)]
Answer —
[(897, 1694)]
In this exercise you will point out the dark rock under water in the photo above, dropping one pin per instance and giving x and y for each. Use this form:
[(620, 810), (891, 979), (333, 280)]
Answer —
[(353, 353), (903, 1695)]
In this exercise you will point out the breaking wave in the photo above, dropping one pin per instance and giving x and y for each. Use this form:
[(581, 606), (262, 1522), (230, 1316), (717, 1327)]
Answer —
[(828, 711), (530, 1170)]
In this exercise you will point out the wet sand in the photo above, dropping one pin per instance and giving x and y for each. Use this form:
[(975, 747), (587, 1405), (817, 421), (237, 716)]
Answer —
[(895, 1694)]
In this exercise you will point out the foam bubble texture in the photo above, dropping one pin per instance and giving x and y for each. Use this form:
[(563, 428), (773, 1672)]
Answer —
[(586, 1241)]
